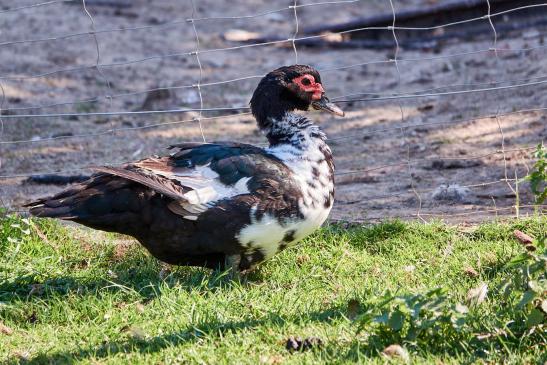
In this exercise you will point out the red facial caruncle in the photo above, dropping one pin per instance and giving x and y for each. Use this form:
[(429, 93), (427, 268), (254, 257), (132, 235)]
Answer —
[(307, 84)]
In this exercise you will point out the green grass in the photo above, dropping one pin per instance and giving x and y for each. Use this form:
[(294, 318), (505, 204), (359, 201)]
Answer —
[(87, 297)]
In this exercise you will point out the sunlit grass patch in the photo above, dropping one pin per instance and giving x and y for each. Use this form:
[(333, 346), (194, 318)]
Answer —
[(69, 294)]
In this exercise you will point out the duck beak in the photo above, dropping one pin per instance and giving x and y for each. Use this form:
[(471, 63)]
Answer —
[(325, 104)]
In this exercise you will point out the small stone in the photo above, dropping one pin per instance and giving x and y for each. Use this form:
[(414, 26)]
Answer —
[(396, 351), (450, 192)]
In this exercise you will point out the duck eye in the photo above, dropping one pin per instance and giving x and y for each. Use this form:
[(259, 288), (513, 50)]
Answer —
[(306, 82)]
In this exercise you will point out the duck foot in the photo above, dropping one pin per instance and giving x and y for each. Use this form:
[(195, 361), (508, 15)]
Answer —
[(234, 271)]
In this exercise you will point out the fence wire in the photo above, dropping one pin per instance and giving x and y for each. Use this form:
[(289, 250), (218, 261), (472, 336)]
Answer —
[(322, 70), (364, 99)]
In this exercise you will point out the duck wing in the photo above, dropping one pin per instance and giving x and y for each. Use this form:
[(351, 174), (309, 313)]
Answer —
[(193, 179), (196, 175)]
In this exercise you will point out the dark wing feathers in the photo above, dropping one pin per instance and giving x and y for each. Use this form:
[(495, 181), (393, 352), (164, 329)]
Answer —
[(157, 183), (271, 184), (231, 161), (173, 177)]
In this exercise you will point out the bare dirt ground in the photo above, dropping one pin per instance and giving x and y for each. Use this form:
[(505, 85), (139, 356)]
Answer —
[(389, 164)]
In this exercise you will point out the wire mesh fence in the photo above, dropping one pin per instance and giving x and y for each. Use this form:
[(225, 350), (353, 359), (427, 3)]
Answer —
[(446, 131)]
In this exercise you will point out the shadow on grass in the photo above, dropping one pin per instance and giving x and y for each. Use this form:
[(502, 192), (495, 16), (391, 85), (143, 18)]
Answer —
[(354, 351), (141, 276), (189, 335), (379, 238)]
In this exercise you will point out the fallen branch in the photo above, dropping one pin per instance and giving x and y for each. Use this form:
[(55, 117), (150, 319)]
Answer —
[(370, 32)]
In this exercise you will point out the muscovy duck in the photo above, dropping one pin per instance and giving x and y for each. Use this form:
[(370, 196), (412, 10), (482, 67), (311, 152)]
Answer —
[(224, 204)]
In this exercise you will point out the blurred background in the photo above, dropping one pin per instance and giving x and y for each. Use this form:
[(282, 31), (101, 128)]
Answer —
[(444, 110)]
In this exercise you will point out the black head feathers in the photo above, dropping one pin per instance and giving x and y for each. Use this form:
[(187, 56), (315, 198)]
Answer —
[(277, 94)]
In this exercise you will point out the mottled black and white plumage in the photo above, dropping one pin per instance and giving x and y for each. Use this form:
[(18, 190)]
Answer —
[(220, 204)]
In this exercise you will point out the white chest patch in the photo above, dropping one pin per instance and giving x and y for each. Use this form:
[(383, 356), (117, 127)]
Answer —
[(269, 236), (311, 172)]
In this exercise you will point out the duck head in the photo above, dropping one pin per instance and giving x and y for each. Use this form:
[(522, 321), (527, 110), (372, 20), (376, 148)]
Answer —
[(286, 89)]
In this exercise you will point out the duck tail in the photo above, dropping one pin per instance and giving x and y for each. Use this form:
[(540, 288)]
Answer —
[(100, 202)]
